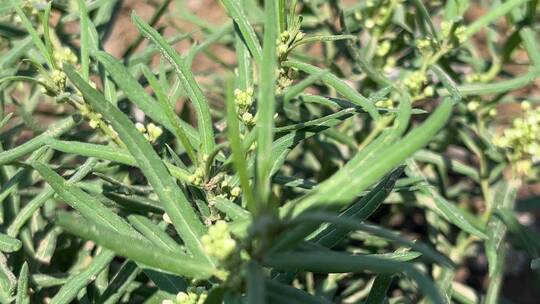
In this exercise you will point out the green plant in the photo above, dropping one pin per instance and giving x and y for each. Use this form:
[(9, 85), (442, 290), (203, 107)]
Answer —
[(268, 198)]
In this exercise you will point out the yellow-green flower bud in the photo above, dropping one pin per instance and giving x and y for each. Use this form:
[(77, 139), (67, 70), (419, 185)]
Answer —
[(369, 24), (248, 119), (154, 132), (218, 242), (282, 49), (236, 191), (383, 48), (429, 91), (473, 105), (140, 127), (65, 55)]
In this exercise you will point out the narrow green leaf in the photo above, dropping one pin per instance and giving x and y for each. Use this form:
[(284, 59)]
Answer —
[(495, 13), (321, 38), (295, 89), (339, 85), (230, 209), (45, 281), (235, 11), (277, 292), (169, 283), (266, 104), (380, 287), (425, 15), (15, 53), (8, 280), (344, 263), (526, 237), (22, 286), (341, 115), (179, 209), (245, 70), (135, 249), (352, 224), (447, 82), (46, 28), (78, 281), (360, 59), (187, 79), (120, 283), (9, 244), (256, 285), (171, 116), (153, 233), (47, 246), (447, 163), (499, 86), (37, 142), (110, 153), (6, 119), (35, 36), (455, 9), (496, 275), (357, 175), (85, 37), (136, 94), (87, 205), (360, 211), (504, 196), (448, 210)]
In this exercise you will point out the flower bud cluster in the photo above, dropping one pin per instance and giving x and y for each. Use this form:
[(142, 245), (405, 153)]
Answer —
[(151, 132), (244, 101), (197, 178), (425, 45), (226, 188), (387, 103), (390, 64), (65, 54), (55, 83), (453, 32), (415, 81), (284, 79), (218, 242), (286, 39), (384, 48), (477, 77), (192, 295), (94, 119), (522, 142), (375, 13)]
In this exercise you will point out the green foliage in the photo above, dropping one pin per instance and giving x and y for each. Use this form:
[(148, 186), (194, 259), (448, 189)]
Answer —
[(322, 138)]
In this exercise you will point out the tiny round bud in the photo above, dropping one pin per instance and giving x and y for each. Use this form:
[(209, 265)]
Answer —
[(369, 24), (429, 91), (473, 106), (182, 297), (140, 127), (236, 191), (247, 116)]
